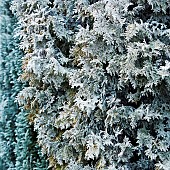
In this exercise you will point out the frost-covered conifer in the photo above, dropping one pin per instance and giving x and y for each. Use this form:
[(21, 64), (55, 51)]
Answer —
[(47, 32), (98, 74), (123, 85)]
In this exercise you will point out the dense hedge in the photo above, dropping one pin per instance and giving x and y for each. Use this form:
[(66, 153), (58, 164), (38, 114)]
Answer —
[(98, 81)]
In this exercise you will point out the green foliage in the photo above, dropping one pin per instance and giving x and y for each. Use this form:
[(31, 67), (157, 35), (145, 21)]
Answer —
[(7, 106), (18, 146)]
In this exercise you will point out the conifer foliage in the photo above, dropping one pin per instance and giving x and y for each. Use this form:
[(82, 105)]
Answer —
[(7, 73), (98, 81), (18, 146)]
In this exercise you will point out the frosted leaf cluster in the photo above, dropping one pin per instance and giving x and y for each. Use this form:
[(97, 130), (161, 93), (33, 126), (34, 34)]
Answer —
[(98, 75)]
